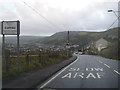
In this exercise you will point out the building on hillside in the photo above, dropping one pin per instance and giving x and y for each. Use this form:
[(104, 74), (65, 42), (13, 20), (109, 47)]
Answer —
[(101, 44)]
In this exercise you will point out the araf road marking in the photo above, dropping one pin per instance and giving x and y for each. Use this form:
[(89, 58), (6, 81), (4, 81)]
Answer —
[(90, 75), (58, 73), (117, 72), (67, 75), (106, 65), (82, 75), (99, 75)]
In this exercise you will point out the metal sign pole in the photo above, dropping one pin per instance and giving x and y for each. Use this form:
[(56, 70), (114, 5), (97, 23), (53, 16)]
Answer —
[(3, 52), (10, 28), (18, 52)]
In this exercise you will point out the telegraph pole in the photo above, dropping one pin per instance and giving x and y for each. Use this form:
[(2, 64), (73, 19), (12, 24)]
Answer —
[(68, 36), (68, 44)]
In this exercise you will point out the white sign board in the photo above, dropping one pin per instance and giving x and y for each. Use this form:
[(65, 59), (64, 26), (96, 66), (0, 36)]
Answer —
[(10, 27), (67, 47)]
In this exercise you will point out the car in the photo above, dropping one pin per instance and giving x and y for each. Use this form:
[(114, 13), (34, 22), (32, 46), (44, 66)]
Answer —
[(76, 53), (80, 53)]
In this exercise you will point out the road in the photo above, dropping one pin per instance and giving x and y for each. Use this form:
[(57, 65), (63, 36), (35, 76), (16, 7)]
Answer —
[(87, 71)]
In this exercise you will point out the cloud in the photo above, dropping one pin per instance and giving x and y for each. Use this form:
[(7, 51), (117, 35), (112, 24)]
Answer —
[(45, 17)]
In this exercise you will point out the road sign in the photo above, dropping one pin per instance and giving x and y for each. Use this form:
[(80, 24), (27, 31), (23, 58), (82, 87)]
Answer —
[(10, 27), (67, 47)]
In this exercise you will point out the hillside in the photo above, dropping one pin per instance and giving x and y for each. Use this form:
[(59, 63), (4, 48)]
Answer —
[(23, 39), (85, 38), (76, 37), (80, 37)]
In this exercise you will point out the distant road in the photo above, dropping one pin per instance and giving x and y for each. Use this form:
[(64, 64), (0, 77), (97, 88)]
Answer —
[(86, 71)]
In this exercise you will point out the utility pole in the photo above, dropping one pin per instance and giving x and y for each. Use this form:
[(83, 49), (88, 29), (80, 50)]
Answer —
[(68, 37), (67, 45)]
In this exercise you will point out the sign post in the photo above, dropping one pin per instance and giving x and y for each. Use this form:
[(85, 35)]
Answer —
[(3, 51), (10, 28)]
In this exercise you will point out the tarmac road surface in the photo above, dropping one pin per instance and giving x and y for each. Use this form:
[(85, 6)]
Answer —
[(87, 71)]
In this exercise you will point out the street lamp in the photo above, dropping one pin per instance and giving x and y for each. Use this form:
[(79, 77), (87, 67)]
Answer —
[(110, 10), (114, 12), (118, 16)]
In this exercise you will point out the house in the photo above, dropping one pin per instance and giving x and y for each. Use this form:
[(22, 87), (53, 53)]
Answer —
[(101, 44)]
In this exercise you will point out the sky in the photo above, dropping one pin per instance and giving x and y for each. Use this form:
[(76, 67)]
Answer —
[(46, 17)]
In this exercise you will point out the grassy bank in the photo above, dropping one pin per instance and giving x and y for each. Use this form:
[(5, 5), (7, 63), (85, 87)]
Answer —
[(111, 52), (32, 60)]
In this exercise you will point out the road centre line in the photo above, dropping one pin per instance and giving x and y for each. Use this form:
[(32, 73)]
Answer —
[(117, 72), (58, 74), (100, 62), (109, 67), (106, 65)]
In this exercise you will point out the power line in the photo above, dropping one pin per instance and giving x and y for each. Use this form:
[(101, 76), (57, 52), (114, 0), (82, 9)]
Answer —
[(113, 23), (36, 11)]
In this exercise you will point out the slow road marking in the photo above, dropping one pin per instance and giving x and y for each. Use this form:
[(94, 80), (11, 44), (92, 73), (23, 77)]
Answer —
[(85, 69)]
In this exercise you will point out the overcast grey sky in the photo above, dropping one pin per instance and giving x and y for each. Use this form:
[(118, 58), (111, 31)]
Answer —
[(45, 17)]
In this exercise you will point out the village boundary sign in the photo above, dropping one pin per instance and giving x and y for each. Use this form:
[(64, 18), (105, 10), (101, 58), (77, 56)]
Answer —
[(10, 28)]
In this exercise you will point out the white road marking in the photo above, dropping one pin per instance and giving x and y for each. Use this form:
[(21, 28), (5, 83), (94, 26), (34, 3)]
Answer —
[(99, 75), (82, 75), (109, 67), (106, 65), (117, 72), (100, 62), (58, 74), (98, 69), (91, 75)]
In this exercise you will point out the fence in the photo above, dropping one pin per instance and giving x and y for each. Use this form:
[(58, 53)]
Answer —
[(31, 61)]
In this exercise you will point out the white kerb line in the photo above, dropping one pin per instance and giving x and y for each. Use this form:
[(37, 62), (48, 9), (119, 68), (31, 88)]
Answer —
[(58, 74)]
